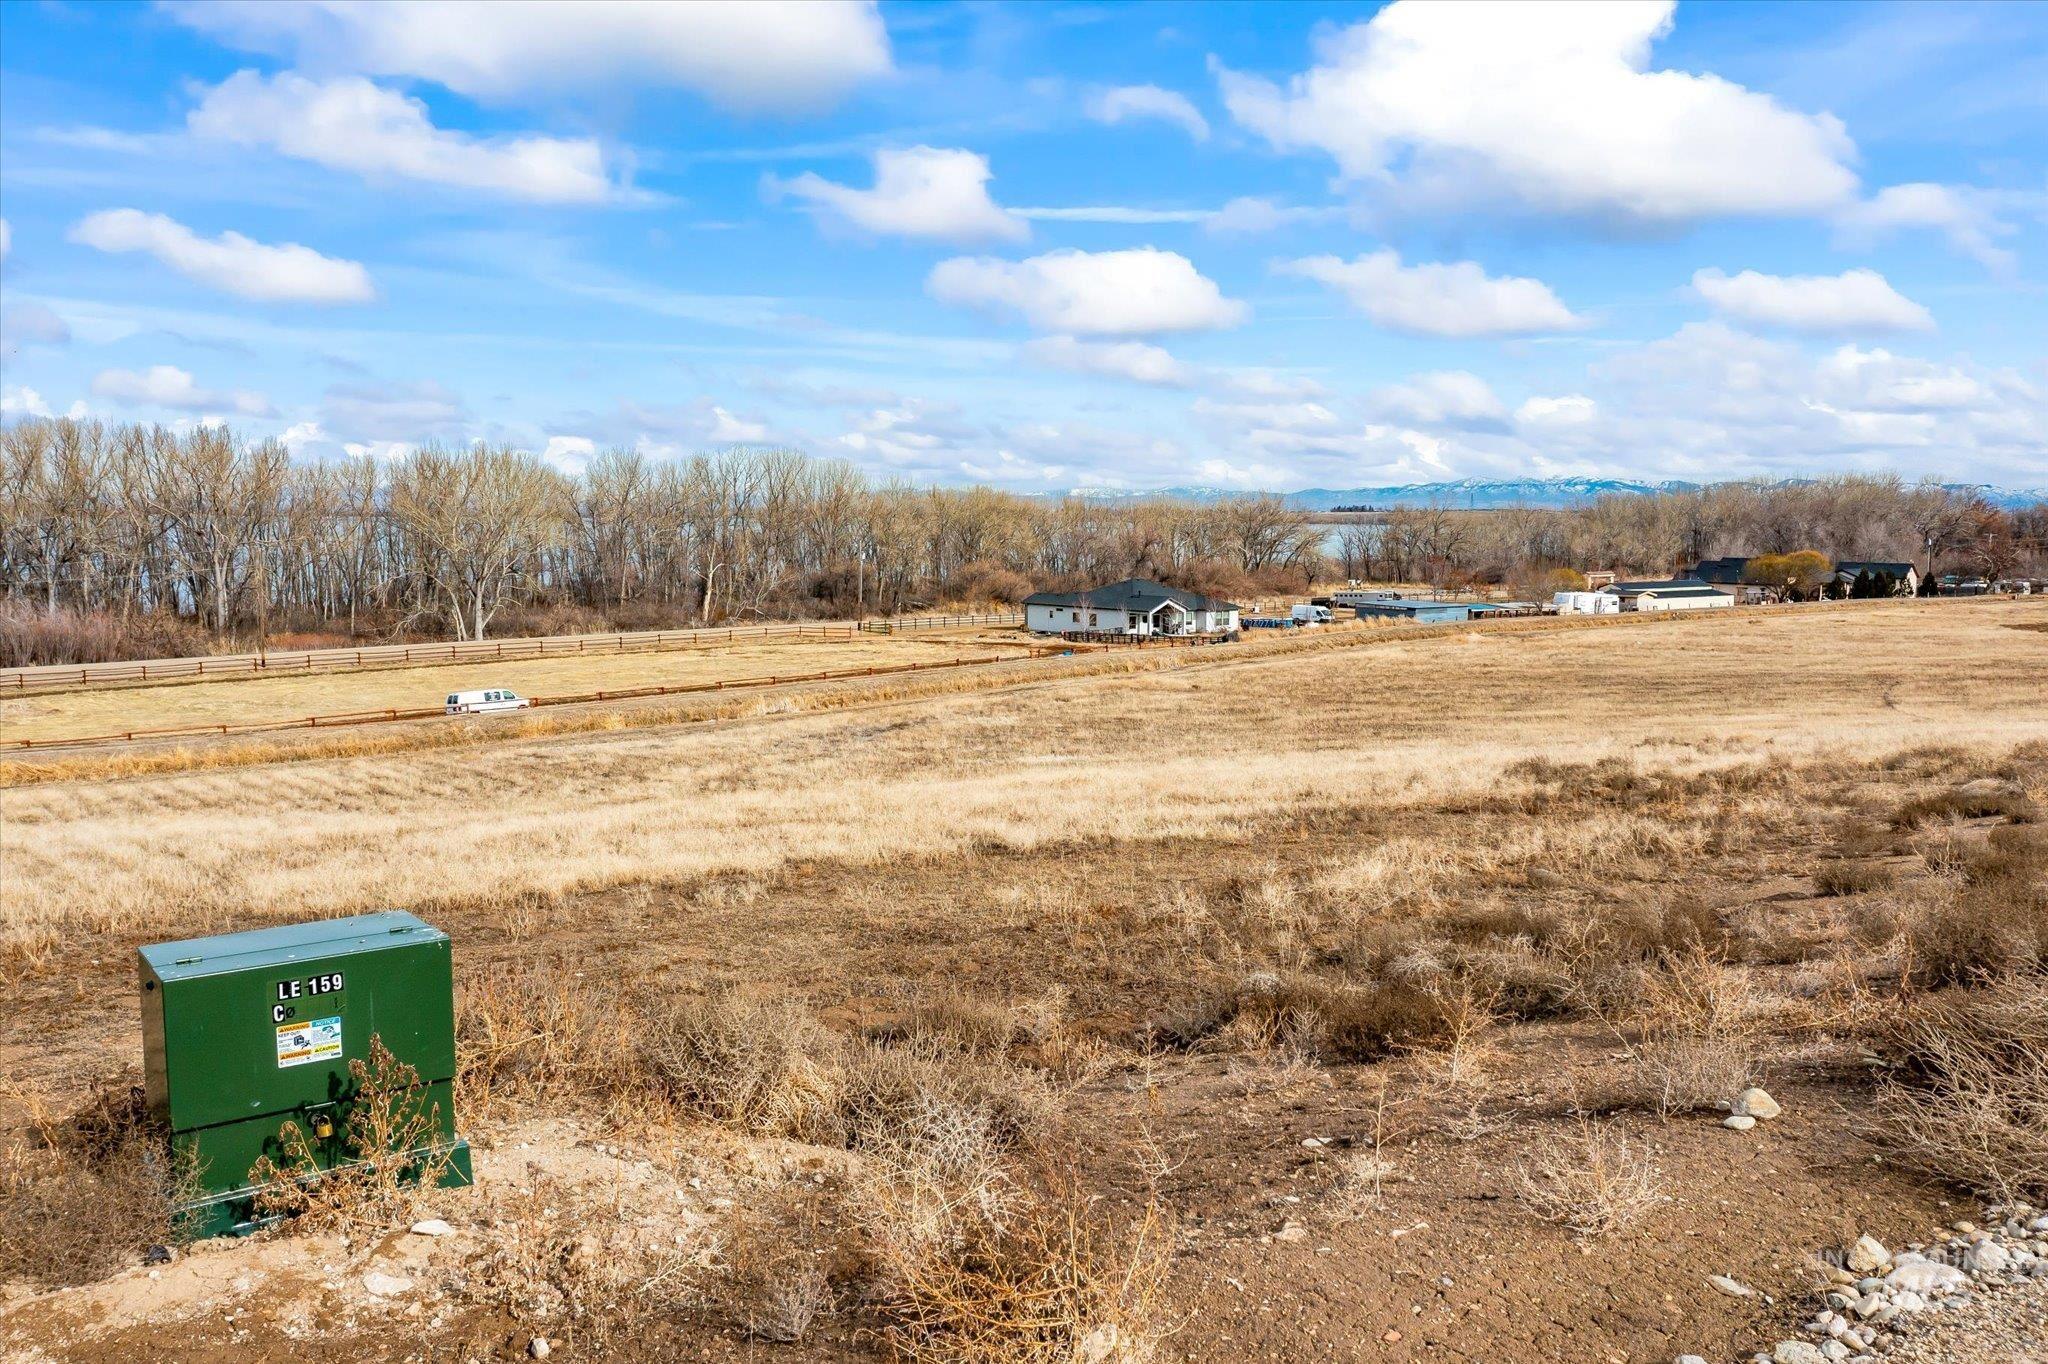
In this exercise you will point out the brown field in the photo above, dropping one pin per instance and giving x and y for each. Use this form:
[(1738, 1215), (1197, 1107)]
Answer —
[(256, 700), (1261, 1003)]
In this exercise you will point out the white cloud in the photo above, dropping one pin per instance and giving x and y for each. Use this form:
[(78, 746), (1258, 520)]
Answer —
[(26, 402), (351, 124), (1855, 300), (1959, 214), (1149, 102), (569, 453), (1096, 293), (1881, 381), (1570, 409), (726, 429), (1261, 383), (6, 239), (1133, 360), (1116, 213), (169, 386), (1442, 398), (931, 192), (765, 55), (1552, 105), (1459, 300), (1248, 215), (230, 262), (1301, 416)]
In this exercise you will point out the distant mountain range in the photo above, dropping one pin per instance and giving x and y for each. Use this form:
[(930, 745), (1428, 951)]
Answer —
[(1484, 493)]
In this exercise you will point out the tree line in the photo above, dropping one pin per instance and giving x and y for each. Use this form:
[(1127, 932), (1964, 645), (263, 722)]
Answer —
[(232, 539), (139, 521), (1933, 527)]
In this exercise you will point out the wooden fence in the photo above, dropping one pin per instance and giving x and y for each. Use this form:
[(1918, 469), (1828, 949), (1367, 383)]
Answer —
[(478, 651)]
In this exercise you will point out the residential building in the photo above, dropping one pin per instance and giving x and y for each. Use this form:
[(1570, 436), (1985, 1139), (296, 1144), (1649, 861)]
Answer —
[(1135, 606)]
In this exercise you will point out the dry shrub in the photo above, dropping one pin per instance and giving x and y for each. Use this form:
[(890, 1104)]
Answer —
[(555, 1257), (1299, 1015), (1967, 1100), (391, 1143), (1851, 878), (972, 1024), (1592, 1180), (888, 1093), (1058, 1282), (1525, 982), (530, 1033), (1951, 805), (761, 1065), (1992, 923), (86, 1194), (1686, 1074), (31, 636), (1696, 1019), (776, 1281)]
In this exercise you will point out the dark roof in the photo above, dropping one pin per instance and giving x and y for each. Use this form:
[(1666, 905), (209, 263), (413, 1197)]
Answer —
[(1132, 594), (1723, 570), (1854, 566), (1665, 587)]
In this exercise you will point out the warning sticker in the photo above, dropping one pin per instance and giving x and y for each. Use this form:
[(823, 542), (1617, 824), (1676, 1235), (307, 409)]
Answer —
[(301, 1044)]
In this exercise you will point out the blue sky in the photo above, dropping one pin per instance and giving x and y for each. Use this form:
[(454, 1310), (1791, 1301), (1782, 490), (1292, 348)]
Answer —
[(1047, 246)]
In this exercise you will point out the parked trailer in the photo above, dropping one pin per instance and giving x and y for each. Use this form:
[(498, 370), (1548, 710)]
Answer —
[(1586, 604), (1270, 623)]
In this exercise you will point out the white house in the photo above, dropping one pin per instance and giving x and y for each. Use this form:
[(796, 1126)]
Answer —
[(1135, 606), (1669, 594)]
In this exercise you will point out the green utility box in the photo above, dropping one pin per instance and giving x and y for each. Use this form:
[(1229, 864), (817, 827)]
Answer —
[(245, 1032)]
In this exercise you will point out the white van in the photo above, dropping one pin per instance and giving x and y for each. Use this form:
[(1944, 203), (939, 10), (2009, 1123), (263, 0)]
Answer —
[(478, 702), (1312, 615)]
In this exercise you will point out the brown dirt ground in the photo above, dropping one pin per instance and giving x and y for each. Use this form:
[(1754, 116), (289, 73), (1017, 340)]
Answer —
[(1448, 1266)]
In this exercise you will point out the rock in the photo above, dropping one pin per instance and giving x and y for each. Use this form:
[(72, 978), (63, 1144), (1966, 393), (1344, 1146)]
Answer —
[(1755, 1103), (1291, 1230), (538, 1347), (1741, 1122), (1868, 1254), (1099, 1344), (381, 1285), (433, 1226), (1906, 1300), (1734, 1288), (1797, 1352), (1987, 1257), (1834, 1349), (157, 1255), (1924, 1276), (1688, 1359)]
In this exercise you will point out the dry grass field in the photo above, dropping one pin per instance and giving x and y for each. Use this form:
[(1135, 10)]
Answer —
[(1377, 999), (253, 700)]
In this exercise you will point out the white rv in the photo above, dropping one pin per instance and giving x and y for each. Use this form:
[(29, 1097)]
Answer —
[(482, 702), (1586, 604)]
